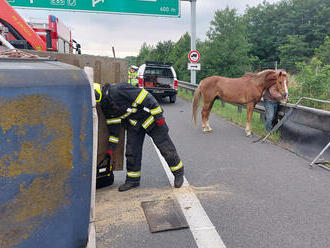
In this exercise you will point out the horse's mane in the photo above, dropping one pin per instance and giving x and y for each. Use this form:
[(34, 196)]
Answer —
[(258, 77)]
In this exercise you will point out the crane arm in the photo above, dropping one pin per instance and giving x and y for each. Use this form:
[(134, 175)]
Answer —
[(18, 27)]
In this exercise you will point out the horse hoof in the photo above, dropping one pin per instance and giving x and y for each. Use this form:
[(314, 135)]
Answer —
[(207, 130)]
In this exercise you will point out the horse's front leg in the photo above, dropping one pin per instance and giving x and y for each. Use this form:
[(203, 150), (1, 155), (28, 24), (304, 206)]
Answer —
[(249, 109)]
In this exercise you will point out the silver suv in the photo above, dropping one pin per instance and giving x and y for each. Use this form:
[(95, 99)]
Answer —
[(159, 79)]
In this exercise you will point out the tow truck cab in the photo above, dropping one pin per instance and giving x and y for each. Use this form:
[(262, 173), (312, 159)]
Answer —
[(159, 79)]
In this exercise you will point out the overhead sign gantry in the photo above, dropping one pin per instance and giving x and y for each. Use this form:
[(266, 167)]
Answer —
[(169, 8)]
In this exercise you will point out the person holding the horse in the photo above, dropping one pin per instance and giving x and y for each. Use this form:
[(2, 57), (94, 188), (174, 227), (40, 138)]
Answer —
[(141, 114), (272, 99)]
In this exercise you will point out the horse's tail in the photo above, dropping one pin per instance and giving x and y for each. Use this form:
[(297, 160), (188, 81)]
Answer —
[(195, 103)]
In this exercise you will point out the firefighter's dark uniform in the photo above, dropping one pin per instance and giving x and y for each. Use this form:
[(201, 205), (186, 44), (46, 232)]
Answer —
[(139, 111)]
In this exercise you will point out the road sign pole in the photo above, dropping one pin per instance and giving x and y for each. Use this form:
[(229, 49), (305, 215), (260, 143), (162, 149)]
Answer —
[(193, 36)]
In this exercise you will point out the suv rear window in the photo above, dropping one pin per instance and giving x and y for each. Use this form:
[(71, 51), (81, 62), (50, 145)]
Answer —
[(162, 72)]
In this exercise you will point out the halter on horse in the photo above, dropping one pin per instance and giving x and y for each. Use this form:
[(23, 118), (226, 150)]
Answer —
[(247, 90)]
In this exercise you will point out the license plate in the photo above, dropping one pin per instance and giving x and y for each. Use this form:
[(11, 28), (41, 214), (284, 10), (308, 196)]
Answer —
[(158, 91)]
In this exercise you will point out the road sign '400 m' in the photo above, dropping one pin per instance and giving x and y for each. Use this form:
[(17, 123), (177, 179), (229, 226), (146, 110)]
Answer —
[(139, 7)]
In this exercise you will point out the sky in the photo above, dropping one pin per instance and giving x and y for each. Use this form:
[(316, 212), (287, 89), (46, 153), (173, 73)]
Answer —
[(98, 33)]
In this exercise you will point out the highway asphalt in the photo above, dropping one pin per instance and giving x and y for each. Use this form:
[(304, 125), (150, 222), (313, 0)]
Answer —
[(256, 195)]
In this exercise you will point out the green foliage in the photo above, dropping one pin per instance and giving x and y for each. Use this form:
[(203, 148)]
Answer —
[(131, 60), (144, 54), (323, 52), (226, 50), (271, 26), (263, 33), (314, 80), (162, 51), (179, 57), (295, 51)]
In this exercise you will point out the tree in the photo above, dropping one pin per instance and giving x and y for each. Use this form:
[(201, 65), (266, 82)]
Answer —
[(323, 52), (263, 32), (179, 57), (271, 25), (162, 51), (131, 60), (225, 52), (144, 54), (314, 79), (295, 51)]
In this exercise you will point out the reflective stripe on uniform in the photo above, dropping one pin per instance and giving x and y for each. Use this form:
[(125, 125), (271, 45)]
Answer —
[(133, 122), (155, 111), (97, 88), (146, 109), (148, 122), (113, 121), (177, 167), (118, 120), (125, 115), (131, 110), (113, 139), (140, 97), (133, 174)]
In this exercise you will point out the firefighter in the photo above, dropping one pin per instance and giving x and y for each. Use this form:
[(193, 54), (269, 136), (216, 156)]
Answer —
[(133, 78), (139, 111)]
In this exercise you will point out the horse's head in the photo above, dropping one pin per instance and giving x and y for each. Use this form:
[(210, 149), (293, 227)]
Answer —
[(282, 84)]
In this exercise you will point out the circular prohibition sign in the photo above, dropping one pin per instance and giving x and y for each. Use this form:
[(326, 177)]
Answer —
[(194, 56)]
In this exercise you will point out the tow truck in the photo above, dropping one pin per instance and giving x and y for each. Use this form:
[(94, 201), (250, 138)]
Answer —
[(49, 35)]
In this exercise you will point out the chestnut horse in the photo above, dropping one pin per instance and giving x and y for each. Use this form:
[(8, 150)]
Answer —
[(247, 90)]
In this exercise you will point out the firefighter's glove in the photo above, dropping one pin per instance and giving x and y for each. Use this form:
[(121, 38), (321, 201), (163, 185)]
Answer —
[(108, 156), (160, 122)]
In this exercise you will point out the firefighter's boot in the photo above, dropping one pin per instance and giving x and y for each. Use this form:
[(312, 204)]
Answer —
[(128, 185), (178, 180)]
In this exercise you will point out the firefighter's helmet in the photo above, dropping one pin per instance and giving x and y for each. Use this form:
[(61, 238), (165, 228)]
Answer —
[(98, 92)]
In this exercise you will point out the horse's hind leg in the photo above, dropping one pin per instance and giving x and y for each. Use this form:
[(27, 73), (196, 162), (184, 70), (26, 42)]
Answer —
[(206, 115), (204, 118), (249, 108), (209, 129)]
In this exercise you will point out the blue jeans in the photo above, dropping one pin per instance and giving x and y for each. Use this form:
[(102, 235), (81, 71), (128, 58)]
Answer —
[(271, 109)]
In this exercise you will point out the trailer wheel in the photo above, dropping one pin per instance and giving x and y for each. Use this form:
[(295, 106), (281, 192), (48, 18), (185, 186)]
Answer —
[(105, 181), (172, 99)]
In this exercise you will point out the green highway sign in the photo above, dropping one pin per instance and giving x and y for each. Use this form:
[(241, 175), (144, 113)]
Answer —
[(140, 7)]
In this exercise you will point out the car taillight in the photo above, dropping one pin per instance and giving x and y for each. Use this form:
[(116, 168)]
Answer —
[(141, 82), (175, 84)]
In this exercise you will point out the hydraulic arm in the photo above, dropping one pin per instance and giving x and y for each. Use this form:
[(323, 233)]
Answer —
[(19, 28)]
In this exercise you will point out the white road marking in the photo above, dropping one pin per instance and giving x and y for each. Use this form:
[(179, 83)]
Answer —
[(204, 232)]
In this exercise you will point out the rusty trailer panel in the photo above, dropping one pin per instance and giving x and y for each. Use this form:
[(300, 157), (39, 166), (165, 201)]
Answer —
[(46, 140)]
